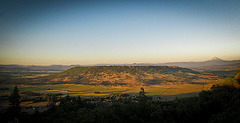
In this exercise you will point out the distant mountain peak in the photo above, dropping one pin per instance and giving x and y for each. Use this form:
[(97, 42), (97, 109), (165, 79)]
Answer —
[(216, 59)]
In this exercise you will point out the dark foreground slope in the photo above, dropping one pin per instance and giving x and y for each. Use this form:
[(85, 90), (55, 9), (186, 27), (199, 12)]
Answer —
[(220, 104)]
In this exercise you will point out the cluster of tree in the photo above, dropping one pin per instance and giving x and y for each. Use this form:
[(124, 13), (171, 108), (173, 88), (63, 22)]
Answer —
[(37, 97), (232, 81), (133, 70)]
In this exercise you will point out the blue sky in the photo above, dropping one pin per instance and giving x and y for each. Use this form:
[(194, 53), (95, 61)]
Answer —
[(93, 32)]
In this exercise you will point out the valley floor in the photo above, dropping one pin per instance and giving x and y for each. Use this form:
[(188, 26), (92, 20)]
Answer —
[(166, 91)]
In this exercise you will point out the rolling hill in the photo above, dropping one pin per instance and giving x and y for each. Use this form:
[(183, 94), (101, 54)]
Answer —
[(121, 76), (24, 68), (214, 61)]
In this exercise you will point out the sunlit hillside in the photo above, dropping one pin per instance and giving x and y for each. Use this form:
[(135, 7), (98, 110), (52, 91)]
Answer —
[(121, 76)]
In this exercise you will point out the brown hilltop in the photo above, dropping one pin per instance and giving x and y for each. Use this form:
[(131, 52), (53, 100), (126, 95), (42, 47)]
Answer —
[(121, 75)]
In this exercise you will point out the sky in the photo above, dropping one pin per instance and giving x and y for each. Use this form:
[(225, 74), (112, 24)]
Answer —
[(116, 32)]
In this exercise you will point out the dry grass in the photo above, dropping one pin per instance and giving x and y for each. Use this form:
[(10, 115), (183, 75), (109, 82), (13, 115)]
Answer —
[(88, 90)]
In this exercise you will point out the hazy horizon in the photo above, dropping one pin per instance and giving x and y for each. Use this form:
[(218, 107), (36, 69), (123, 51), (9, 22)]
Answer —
[(120, 63), (118, 32)]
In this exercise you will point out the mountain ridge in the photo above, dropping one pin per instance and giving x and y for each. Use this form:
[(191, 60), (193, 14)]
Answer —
[(216, 59)]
